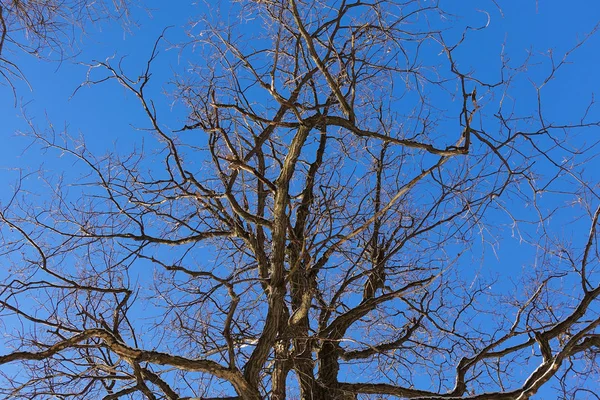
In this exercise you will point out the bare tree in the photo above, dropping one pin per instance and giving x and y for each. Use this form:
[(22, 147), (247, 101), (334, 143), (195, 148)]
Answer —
[(309, 232)]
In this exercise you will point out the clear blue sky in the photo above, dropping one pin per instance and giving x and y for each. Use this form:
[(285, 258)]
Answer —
[(523, 29), (104, 114)]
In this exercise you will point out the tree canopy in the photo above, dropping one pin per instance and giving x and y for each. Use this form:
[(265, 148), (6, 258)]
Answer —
[(320, 200)]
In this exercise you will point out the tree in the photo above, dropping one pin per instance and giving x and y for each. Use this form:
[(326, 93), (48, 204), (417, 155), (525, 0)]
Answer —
[(309, 231)]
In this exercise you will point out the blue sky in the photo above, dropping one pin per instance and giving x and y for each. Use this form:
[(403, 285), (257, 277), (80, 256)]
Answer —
[(106, 115), (523, 29)]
